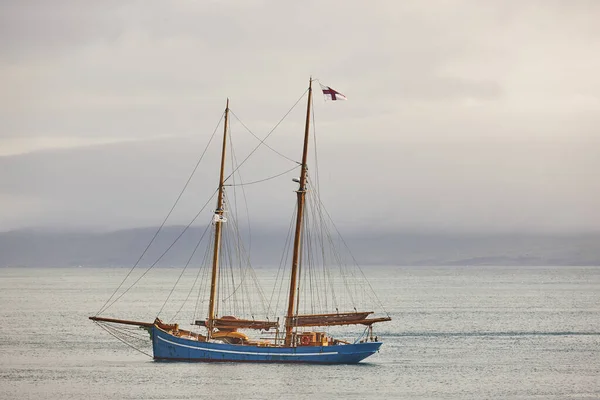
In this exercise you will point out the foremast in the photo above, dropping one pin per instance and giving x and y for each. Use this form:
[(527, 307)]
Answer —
[(301, 194), (218, 220)]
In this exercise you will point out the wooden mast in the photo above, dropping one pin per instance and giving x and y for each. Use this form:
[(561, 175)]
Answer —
[(218, 222), (301, 192)]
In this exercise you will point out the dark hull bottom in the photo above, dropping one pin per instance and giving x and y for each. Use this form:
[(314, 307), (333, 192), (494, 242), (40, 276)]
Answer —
[(209, 360), (167, 347)]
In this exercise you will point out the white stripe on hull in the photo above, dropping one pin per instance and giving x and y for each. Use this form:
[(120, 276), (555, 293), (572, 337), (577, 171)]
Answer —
[(247, 352)]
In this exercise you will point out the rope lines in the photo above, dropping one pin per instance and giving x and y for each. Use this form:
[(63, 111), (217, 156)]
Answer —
[(364, 277), (112, 299), (165, 252), (183, 270), (262, 141), (118, 334), (105, 307), (284, 258), (266, 179), (266, 137), (321, 288)]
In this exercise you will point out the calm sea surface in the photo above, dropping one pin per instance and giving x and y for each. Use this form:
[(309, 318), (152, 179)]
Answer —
[(457, 333)]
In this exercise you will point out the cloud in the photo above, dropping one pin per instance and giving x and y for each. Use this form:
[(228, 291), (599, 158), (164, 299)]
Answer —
[(471, 115), (22, 145)]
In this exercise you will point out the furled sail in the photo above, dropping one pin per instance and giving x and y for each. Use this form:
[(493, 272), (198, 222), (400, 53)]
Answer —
[(233, 323), (349, 318)]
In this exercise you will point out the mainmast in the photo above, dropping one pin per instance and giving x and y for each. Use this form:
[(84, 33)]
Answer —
[(301, 192), (218, 221)]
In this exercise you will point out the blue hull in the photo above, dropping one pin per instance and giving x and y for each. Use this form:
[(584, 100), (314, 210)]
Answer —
[(167, 347)]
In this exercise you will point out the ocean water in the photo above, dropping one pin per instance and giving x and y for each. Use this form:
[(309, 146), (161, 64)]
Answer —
[(457, 333)]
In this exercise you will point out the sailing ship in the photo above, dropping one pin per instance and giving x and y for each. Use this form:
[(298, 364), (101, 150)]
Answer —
[(304, 337)]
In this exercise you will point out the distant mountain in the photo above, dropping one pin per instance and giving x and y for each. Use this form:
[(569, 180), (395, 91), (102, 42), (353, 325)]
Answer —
[(32, 248)]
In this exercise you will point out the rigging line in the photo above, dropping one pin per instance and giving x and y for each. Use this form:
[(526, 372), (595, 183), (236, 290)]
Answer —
[(233, 164), (122, 340), (235, 224), (247, 268), (237, 238), (318, 192), (269, 134), (205, 266), (242, 276), (279, 270), (234, 209), (246, 205), (102, 309), (308, 287), (239, 300), (335, 255), (219, 288), (227, 264), (266, 179), (333, 248), (301, 267), (354, 259), (306, 262), (134, 338), (191, 288), (257, 138), (183, 271), (128, 333), (234, 237), (241, 251), (165, 252), (234, 227), (228, 267), (315, 151), (343, 265), (131, 341), (314, 223), (231, 281), (202, 287)]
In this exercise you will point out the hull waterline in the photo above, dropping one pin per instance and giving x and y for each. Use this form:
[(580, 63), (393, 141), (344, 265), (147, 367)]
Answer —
[(167, 347)]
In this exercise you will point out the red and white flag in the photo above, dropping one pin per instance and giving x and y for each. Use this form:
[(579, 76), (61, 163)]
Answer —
[(331, 94)]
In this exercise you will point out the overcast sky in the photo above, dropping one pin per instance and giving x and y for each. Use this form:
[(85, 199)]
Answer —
[(462, 115)]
